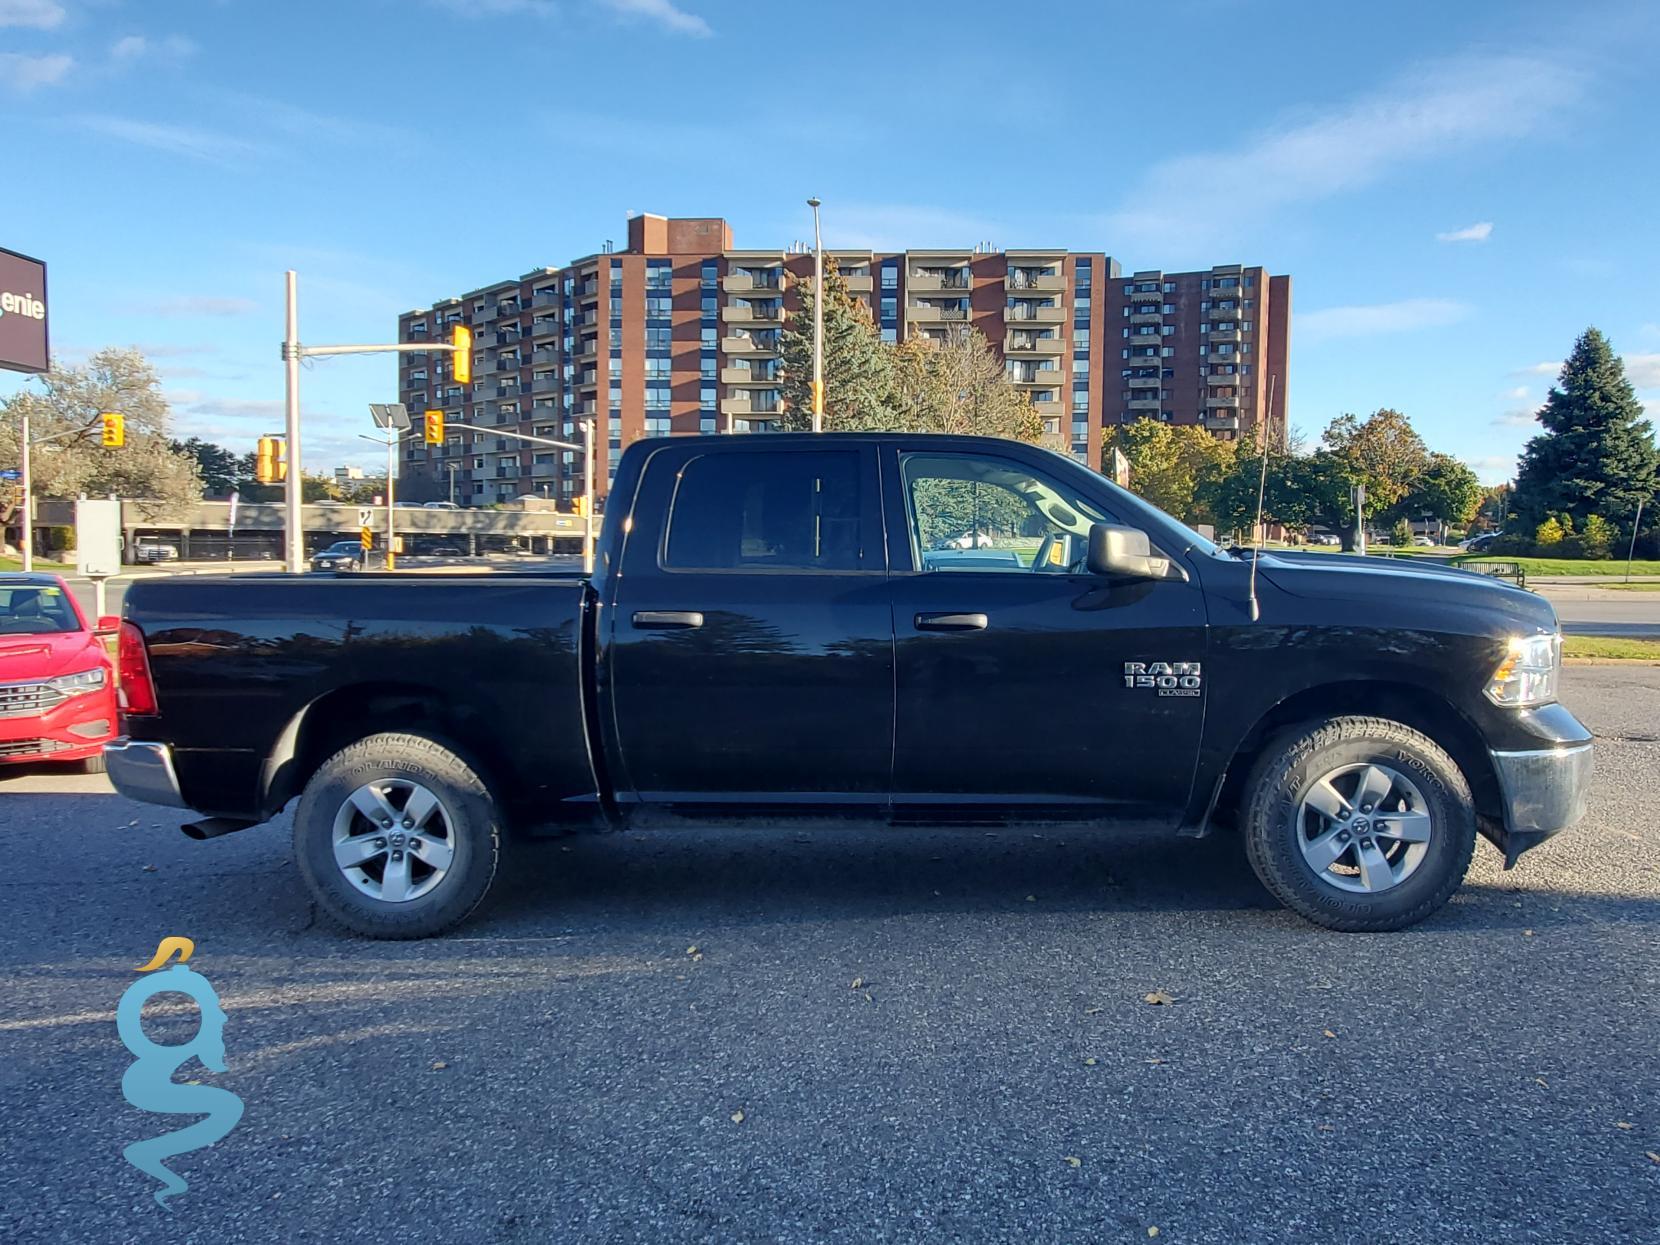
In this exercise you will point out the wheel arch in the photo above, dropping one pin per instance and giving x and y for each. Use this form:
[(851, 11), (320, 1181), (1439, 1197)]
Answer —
[(342, 715), (1421, 708)]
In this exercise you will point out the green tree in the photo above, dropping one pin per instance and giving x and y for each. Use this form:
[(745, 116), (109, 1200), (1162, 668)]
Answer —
[(1382, 451), (159, 482), (1493, 510), (222, 471), (1400, 533), (1446, 490), (1596, 538), (1549, 535), (957, 384), (1292, 490), (1174, 465), (858, 365), (1596, 454)]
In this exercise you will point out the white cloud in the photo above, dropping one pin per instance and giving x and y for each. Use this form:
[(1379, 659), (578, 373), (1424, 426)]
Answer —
[(1643, 370), (35, 14), (23, 73), (1518, 394), (1440, 109), (194, 305), (1516, 417), (1478, 232), (1364, 321), (663, 13), (1541, 369), (178, 140), (137, 47)]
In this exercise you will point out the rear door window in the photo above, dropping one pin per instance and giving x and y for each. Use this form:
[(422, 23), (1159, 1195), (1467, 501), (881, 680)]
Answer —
[(767, 510)]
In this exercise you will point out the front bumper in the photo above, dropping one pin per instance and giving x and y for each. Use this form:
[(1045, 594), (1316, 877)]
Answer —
[(1545, 791), (144, 772), (70, 731)]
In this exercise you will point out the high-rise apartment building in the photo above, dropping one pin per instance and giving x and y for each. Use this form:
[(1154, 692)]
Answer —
[(679, 333)]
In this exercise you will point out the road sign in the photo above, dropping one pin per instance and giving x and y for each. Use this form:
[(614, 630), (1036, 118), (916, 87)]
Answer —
[(11, 473), (97, 537), (367, 538), (365, 516)]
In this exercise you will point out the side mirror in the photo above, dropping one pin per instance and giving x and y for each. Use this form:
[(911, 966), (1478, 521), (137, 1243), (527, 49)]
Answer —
[(109, 624), (1123, 553)]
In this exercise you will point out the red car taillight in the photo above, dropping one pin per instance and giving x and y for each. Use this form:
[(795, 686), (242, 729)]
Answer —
[(138, 693)]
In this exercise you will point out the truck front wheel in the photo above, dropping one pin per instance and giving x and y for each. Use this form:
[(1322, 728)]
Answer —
[(1359, 824), (397, 837)]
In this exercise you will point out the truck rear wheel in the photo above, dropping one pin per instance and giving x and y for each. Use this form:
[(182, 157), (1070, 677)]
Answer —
[(397, 837), (1359, 824)]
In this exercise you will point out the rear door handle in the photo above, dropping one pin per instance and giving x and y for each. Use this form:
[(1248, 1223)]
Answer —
[(667, 620), (950, 622)]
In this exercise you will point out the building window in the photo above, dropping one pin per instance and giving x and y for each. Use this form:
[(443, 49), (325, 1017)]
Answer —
[(890, 308), (709, 304), (890, 276), (706, 367), (707, 397), (890, 335), (709, 337)]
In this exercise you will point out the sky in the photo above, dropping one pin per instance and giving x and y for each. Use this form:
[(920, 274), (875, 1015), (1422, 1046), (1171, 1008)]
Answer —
[(1457, 190)]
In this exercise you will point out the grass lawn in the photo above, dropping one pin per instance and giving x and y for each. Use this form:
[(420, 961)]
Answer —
[(1607, 646), (1632, 587), (41, 564), (1569, 566)]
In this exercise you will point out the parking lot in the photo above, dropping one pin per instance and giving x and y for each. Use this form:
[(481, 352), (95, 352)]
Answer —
[(873, 1034)]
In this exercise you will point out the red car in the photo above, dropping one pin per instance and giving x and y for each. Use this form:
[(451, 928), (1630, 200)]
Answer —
[(57, 685)]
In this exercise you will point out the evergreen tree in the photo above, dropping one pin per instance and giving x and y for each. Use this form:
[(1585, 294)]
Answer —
[(1597, 454), (858, 366)]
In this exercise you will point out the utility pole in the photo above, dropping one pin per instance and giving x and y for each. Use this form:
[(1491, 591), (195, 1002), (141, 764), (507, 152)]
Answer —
[(818, 320), (293, 495), (460, 347), (28, 502)]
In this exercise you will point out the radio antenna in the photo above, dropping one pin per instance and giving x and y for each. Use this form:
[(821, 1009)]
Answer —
[(1264, 429)]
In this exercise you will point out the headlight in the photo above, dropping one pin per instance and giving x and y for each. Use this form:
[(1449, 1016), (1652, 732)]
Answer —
[(1527, 675), (75, 684)]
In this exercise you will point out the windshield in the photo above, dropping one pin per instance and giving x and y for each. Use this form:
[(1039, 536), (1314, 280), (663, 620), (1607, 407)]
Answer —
[(343, 546), (36, 611), (1128, 502)]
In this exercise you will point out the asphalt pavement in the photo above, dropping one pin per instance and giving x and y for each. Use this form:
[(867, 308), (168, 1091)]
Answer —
[(814, 1033)]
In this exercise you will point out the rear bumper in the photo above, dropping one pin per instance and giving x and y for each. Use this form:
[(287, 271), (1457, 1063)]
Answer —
[(143, 771), (1545, 791)]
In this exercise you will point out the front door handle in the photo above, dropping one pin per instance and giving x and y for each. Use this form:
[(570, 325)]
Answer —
[(950, 622), (667, 620)]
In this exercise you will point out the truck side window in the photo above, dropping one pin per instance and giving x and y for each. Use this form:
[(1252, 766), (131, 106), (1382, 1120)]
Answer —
[(972, 512), (766, 510)]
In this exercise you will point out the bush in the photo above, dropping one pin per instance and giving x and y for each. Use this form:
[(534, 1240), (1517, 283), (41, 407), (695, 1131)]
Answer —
[(1548, 537), (1596, 539), (61, 538), (1510, 545), (1401, 533)]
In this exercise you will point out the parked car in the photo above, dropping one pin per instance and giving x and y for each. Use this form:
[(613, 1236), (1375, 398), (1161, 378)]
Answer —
[(1327, 539), (1476, 544), (1423, 542), (761, 632), (439, 505), (152, 551), (342, 555), (57, 684)]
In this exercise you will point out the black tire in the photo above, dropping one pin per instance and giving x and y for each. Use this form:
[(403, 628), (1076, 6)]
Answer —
[(93, 764), (474, 832), (1295, 761)]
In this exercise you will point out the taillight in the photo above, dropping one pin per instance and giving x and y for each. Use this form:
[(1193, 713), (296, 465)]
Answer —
[(137, 691)]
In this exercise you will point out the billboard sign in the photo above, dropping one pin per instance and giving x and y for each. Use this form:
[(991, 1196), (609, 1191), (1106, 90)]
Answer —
[(22, 313)]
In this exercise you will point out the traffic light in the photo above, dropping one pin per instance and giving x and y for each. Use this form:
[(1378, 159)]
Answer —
[(461, 365), (434, 421), (271, 461), (114, 434)]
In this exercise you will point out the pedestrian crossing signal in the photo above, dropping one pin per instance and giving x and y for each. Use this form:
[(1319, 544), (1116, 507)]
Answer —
[(114, 431), (434, 427)]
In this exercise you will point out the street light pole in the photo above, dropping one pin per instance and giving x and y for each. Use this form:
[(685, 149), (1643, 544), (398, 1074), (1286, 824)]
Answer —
[(391, 514), (588, 494), (292, 495), (818, 320)]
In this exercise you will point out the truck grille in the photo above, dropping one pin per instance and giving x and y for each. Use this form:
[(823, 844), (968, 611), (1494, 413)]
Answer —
[(28, 700), (30, 747)]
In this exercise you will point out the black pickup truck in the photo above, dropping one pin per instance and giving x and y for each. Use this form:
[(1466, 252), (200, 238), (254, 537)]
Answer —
[(899, 627)]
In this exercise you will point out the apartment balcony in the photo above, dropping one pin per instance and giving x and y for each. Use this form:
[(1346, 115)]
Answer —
[(1229, 403), (1146, 317), (544, 328), (1027, 343), (1225, 313), (1042, 283), (588, 349), (508, 310), (936, 313), (587, 380), (544, 300), (747, 408), (1044, 377), (1145, 404), (585, 410), (772, 377), (545, 384), (753, 314), (544, 471), (485, 316), (588, 291), (770, 280), (450, 402), (1029, 312), (509, 363), (509, 391), (485, 339), (547, 354), (859, 284), (1051, 408), (1147, 292), (1222, 422), (918, 282), (1224, 335), (734, 345)]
